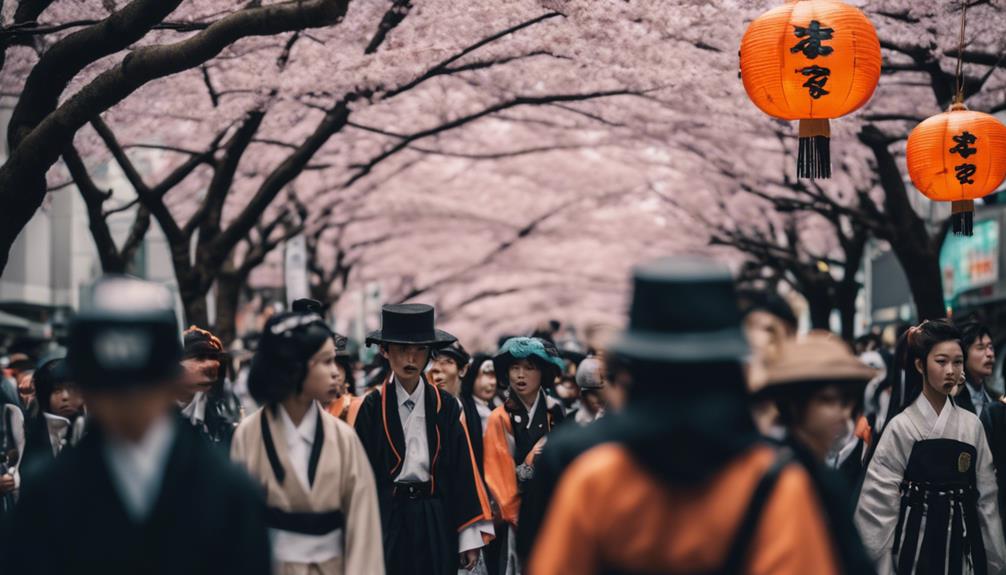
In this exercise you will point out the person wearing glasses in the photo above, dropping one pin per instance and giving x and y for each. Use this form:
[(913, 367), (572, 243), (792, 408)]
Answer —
[(321, 501)]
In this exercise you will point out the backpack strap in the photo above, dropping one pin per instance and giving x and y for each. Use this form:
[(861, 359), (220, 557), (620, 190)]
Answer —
[(738, 552)]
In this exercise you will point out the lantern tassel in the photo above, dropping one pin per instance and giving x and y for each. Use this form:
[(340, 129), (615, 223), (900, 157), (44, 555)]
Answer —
[(814, 159), (963, 217)]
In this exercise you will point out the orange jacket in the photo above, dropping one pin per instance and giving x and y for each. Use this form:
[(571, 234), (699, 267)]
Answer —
[(608, 511), (497, 461), (346, 408)]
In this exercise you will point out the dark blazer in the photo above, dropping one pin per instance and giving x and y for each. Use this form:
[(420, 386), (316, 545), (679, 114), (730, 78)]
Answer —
[(209, 518), (994, 421)]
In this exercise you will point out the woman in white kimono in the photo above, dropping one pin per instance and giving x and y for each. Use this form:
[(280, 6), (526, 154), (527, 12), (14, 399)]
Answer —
[(928, 502), (320, 493)]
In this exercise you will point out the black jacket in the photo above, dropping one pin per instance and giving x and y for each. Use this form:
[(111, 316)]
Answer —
[(208, 518), (994, 421)]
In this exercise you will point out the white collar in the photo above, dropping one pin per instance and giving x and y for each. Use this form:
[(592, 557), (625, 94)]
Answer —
[(308, 424), (416, 396), (480, 401)]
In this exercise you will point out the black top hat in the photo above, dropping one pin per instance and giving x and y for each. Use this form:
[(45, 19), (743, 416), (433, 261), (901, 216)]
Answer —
[(410, 324), (684, 310), (126, 337)]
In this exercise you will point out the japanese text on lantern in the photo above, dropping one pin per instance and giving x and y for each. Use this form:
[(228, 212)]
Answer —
[(812, 45), (964, 147)]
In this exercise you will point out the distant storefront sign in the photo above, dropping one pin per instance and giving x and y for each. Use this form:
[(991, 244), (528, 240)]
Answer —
[(969, 263)]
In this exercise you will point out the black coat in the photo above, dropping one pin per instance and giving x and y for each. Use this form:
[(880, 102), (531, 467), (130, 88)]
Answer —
[(453, 473), (994, 421), (208, 518)]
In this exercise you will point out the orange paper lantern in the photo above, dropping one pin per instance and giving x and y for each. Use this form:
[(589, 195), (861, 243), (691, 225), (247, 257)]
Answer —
[(811, 60), (958, 156)]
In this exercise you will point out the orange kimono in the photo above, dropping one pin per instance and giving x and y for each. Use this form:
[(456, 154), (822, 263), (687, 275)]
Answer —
[(502, 449), (345, 408), (610, 513)]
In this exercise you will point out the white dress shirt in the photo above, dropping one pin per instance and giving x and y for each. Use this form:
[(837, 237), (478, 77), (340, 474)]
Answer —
[(293, 547), (137, 469), (482, 406), (416, 460)]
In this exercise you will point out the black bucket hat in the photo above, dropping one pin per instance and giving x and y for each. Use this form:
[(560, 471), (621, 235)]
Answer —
[(684, 310), (410, 324)]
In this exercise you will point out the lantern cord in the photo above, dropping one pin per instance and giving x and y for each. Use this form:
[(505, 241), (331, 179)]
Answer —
[(959, 96)]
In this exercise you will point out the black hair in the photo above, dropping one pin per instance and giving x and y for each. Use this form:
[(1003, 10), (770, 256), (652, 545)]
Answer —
[(769, 302), (971, 332), (48, 378), (468, 381), (346, 362), (915, 344), (280, 365), (792, 400)]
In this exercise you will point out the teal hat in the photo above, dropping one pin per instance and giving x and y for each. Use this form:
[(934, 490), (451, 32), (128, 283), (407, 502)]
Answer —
[(542, 352)]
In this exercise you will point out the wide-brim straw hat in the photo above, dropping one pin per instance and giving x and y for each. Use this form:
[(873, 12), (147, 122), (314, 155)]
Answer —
[(817, 358)]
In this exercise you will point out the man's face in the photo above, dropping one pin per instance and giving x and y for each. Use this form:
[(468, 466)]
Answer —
[(981, 360), (200, 373), (26, 386), (65, 400), (406, 361), (444, 373), (129, 414)]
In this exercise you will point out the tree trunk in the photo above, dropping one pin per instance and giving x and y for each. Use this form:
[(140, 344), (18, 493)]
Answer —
[(819, 304), (925, 280), (228, 298), (845, 301)]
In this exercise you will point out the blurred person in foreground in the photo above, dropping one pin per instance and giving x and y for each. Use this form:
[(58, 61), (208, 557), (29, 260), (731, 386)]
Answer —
[(687, 483), (320, 493), (141, 493), (817, 384)]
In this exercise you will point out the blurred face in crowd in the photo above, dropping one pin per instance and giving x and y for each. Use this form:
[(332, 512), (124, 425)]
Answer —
[(129, 414), (341, 380), (824, 419), (943, 369), (200, 373), (981, 360), (525, 379), (567, 388), (26, 386), (322, 380), (765, 333), (485, 384), (66, 400), (445, 374), (614, 391), (592, 401), (406, 361)]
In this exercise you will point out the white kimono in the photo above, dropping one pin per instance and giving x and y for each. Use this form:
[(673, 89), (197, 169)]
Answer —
[(343, 482), (879, 504)]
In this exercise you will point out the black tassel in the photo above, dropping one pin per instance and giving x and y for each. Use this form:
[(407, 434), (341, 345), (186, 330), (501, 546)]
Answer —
[(814, 159), (962, 218)]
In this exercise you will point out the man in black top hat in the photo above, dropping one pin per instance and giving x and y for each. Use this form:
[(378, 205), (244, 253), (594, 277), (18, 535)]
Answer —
[(141, 493), (434, 510)]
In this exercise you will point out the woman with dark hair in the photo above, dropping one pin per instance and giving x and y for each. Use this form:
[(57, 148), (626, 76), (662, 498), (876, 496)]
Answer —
[(515, 434), (929, 496), (60, 420), (341, 402), (478, 400), (320, 493)]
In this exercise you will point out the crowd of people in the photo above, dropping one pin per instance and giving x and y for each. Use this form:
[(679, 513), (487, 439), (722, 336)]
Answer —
[(708, 436)]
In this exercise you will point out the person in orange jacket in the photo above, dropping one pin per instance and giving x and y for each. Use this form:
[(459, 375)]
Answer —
[(517, 430), (683, 481)]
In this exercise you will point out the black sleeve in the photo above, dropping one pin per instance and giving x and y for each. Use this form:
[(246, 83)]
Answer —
[(249, 551), (535, 499), (465, 502), (993, 419), (369, 428), (25, 531)]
